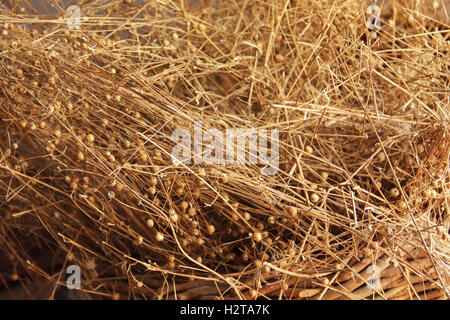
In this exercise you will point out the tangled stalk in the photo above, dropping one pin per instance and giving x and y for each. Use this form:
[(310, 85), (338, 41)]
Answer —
[(87, 177)]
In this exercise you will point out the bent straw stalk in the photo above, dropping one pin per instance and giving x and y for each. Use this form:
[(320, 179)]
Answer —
[(360, 195)]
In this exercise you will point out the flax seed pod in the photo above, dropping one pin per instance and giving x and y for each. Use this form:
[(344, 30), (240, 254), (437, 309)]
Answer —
[(80, 156), (324, 175), (257, 263), (151, 190), (179, 192), (90, 138), (211, 229), (173, 215), (375, 246), (293, 212), (420, 149), (315, 198), (157, 154), (381, 156), (192, 211), (394, 192), (50, 147), (224, 178), (159, 237), (184, 205), (143, 157), (257, 236), (194, 223)]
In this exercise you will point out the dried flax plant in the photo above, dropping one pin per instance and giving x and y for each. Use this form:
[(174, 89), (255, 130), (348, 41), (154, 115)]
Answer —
[(86, 176)]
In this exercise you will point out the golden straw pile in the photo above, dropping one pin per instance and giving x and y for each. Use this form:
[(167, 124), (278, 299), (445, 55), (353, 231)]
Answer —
[(359, 208)]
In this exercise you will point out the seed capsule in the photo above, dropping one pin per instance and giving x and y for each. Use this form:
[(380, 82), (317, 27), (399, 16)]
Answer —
[(80, 156), (74, 185), (173, 216), (192, 212), (381, 156), (151, 190), (159, 237), (315, 198), (394, 192), (375, 245), (224, 178), (367, 252), (402, 205), (51, 147), (184, 205), (279, 58), (257, 263), (324, 175), (211, 229), (420, 149), (257, 236), (143, 157), (179, 192), (293, 212)]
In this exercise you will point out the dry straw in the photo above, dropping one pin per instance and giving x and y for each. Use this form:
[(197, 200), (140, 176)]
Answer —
[(86, 176)]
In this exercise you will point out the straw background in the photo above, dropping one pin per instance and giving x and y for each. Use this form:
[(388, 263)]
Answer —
[(86, 177)]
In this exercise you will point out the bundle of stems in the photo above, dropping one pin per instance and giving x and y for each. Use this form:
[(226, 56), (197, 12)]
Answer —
[(358, 207)]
